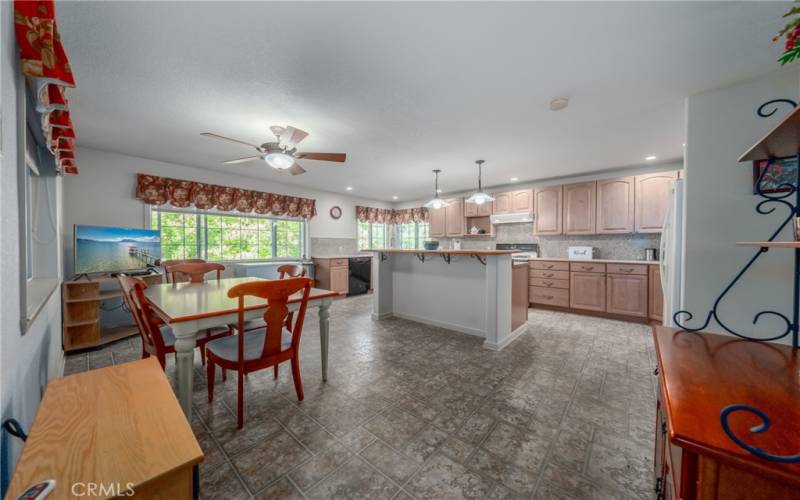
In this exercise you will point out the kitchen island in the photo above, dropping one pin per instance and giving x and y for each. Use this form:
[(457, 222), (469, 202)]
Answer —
[(468, 291)]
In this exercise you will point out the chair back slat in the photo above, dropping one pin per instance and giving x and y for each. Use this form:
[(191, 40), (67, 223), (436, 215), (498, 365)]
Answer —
[(291, 270), (133, 293), (277, 294), (196, 271), (167, 265)]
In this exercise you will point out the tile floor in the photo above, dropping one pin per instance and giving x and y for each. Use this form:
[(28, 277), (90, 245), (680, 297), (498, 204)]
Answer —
[(411, 411)]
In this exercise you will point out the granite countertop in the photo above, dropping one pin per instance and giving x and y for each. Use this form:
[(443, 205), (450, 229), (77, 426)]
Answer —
[(345, 256), (601, 261), (475, 251)]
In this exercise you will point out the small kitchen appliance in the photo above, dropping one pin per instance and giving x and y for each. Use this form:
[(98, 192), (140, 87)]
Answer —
[(524, 251), (580, 253), (651, 254)]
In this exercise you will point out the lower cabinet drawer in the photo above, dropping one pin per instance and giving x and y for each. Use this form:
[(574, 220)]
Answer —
[(549, 283), (553, 275), (339, 263), (550, 296)]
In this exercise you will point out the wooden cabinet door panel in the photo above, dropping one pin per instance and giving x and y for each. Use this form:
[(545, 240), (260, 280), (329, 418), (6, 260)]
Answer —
[(615, 205), (339, 279), (547, 210), (485, 210), (651, 200), (502, 203), (470, 209), (437, 222), (454, 217), (626, 294), (587, 291), (656, 296), (522, 201), (579, 208)]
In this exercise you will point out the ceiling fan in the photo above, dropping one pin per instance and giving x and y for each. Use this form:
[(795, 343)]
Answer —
[(282, 155)]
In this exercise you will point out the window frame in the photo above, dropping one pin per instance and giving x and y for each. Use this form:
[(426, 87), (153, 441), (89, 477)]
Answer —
[(371, 234), (201, 228), (418, 240)]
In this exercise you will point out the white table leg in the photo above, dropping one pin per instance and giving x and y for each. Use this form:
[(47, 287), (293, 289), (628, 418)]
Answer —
[(185, 342), (324, 332)]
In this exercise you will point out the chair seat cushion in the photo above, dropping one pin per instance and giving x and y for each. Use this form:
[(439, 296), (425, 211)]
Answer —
[(228, 347)]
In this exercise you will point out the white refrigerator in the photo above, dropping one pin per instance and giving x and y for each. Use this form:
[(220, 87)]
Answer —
[(671, 253)]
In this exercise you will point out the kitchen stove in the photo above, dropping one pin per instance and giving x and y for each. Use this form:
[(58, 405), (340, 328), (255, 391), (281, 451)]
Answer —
[(525, 251)]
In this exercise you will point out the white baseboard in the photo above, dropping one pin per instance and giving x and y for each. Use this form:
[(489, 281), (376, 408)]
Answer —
[(500, 345), (442, 324)]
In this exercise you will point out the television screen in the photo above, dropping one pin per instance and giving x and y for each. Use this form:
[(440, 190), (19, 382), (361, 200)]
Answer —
[(112, 249)]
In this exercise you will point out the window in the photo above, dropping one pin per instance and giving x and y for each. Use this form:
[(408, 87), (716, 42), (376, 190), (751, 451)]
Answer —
[(371, 235), (412, 235), (225, 237)]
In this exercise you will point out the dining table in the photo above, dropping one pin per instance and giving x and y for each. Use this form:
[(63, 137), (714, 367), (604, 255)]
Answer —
[(190, 308)]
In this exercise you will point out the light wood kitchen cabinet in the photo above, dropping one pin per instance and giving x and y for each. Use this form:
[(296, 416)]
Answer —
[(522, 201), (475, 210), (547, 210), (580, 208), (615, 205), (438, 218), (587, 291), (626, 294), (332, 274), (455, 224), (656, 295), (652, 199), (486, 209), (502, 203)]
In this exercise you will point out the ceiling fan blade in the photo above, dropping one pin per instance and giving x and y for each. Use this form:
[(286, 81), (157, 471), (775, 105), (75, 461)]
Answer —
[(291, 136), (340, 157), (242, 160), (296, 169), (222, 137)]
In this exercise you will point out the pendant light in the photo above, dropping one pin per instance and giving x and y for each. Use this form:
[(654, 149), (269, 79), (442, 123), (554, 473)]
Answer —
[(479, 197), (436, 202)]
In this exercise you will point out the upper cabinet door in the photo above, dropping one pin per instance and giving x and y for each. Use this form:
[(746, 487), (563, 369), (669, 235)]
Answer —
[(437, 222), (470, 210), (579, 208), (454, 219), (502, 203), (547, 210), (485, 210), (652, 198), (522, 201), (615, 205)]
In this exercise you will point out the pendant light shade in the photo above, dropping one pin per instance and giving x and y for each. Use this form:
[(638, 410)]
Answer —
[(479, 197), (436, 203)]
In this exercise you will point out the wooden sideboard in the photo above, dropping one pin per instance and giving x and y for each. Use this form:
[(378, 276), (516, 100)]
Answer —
[(120, 427), (700, 374)]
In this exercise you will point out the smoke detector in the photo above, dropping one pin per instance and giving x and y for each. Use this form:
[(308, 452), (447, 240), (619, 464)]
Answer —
[(559, 103)]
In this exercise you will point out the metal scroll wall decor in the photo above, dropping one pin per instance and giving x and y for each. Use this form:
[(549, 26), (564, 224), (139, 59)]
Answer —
[(789, 199), (769, 108)]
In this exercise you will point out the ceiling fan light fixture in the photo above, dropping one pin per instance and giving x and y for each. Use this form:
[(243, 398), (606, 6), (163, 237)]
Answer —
[(479, 197), (279, 161), (436, 203)]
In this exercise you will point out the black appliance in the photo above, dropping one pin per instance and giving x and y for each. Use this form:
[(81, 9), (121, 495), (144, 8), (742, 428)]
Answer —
[(360, 275)]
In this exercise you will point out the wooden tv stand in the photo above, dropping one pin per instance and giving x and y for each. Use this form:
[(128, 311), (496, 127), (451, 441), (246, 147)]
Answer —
[(82, 299)]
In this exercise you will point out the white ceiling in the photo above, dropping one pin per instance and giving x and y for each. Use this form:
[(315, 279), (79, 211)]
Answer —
[(403, 88)]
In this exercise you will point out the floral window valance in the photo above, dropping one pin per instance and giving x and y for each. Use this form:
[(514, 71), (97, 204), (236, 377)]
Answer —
[(391, 216), (45, 62), (155, 190)]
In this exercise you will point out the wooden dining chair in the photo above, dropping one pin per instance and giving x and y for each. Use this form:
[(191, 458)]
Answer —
[(195, 271), (157, 337), (291, 270), (166, 265), (255, 350)]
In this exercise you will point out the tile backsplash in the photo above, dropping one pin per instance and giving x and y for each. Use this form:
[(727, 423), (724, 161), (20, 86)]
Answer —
[(334, 246), (607, 246)]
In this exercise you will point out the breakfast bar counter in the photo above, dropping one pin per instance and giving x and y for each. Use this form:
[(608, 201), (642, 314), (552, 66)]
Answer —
[(468, 291)]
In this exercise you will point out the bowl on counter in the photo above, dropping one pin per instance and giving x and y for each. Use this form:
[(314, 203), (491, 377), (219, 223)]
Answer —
[(430, 245)]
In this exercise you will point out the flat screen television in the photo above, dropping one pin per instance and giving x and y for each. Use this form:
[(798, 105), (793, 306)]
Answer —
[(100, 249)]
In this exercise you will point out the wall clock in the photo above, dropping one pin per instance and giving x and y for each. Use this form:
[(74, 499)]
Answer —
[(336, 212)]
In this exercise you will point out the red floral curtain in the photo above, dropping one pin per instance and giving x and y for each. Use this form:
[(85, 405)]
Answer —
[(391, 216), (45, 61), (155, 190)]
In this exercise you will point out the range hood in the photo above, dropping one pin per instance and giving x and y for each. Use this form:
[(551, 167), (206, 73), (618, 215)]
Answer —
[(511, 218)]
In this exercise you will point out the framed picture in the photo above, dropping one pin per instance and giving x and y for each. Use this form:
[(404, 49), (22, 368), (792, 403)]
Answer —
[(781, 171)]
